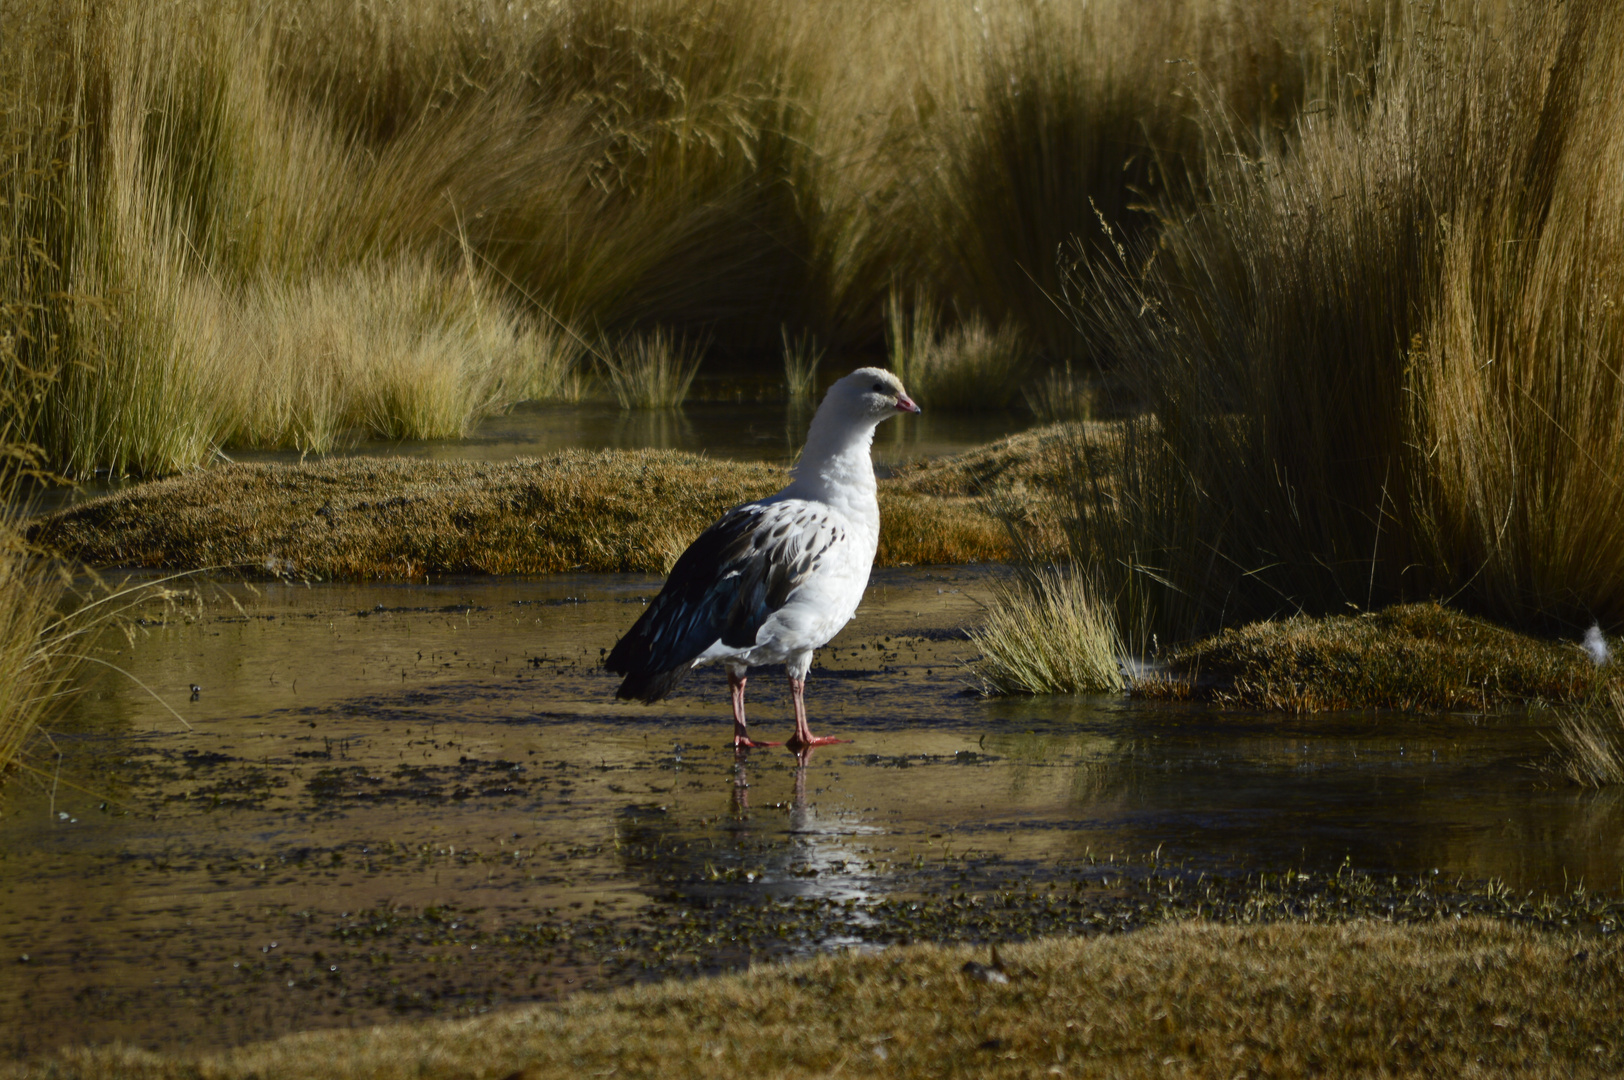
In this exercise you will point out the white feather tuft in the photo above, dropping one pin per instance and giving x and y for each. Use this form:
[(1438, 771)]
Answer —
[(1596, 646)]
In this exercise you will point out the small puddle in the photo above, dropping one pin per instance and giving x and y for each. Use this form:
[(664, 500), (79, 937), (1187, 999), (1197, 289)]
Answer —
[(397, 801)]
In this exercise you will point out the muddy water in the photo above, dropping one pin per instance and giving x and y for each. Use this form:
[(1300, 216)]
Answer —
[(387, 802)]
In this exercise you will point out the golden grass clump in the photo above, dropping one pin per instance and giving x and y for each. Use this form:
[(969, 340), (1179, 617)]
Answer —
[(1413, 657), (1047, 632), (1450, 998), (1589, 741), (652, 371), (178, 182), (966, 367), (1382, 363)]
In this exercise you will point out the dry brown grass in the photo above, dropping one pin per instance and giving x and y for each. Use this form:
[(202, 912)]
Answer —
[(1473, 998), (604, 512), (1384, 359), (1031, 465), (178, 185), (1416, 657), (1589, 741)]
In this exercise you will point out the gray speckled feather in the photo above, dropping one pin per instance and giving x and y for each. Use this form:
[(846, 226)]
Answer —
[(723, 588)]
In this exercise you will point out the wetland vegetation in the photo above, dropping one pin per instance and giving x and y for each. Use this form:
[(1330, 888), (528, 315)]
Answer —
[(1320, 303), (1470, 998)]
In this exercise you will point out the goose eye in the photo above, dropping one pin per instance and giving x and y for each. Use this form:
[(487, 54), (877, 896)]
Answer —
[(879, 388)]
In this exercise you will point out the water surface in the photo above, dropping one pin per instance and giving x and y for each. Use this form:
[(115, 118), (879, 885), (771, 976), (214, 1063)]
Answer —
[(392, 801)]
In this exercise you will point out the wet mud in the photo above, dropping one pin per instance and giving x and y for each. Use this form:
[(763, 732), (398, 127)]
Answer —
[(399, 801)]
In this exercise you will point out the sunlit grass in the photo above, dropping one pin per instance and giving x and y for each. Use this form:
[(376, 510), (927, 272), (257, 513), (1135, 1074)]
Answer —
[(802, 355), (653, 370), (1290, 998), (178, 182), (1047, 632)]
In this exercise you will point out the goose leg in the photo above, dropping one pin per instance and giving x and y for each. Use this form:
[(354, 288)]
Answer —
[(803, 737), (741, 738)]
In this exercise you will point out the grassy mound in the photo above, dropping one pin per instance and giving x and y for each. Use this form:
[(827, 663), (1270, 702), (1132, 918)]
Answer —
[(1413, 657), (1469, 998), (612, 511), (1037, 461)]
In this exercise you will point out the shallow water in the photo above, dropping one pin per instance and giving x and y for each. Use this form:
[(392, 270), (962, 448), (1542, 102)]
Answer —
[(400, 800)]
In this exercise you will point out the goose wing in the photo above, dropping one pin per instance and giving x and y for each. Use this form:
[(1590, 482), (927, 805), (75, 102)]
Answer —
[(724, 588)]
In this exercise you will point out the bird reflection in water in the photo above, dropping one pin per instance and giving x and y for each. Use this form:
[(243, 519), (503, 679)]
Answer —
[(741, 786)]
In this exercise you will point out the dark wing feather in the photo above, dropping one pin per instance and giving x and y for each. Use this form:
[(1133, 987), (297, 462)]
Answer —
[(723, 588)]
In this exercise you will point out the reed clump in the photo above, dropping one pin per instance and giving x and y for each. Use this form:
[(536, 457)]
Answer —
[(1382, 361), (1061, 395), (967, 366), (802, 356), (652, 371), (183, 186), (36, 661)]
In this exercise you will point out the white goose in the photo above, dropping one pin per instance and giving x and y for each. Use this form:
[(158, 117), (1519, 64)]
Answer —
[(775, 579)]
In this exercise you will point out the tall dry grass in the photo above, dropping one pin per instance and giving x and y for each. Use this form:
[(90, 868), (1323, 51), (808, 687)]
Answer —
[(1058, 117), (964, 367), (207, 208), (652, 371), (1383, 362)]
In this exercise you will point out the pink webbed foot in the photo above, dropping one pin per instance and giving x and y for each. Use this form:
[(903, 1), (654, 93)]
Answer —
[(799, 743), (744, 742)]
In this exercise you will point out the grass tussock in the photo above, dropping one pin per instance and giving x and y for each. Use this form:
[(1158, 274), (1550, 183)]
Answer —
[(1062, 395), (401, 519), (1382, 360), (1589, 741), (967, 367), (1460, 998), (654, 370), (1414, 657), (36, 657), (1047, 632), (802, 355), (177, 183)]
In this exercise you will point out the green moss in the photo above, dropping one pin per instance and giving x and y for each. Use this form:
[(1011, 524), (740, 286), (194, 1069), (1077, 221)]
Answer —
[(607, 512), (1415, 657)]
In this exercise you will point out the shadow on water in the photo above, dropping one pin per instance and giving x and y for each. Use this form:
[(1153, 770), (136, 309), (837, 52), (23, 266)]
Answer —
[(405, 800)]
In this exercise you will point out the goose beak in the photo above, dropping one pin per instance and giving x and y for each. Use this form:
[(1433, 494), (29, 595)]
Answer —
[(906, 404)]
